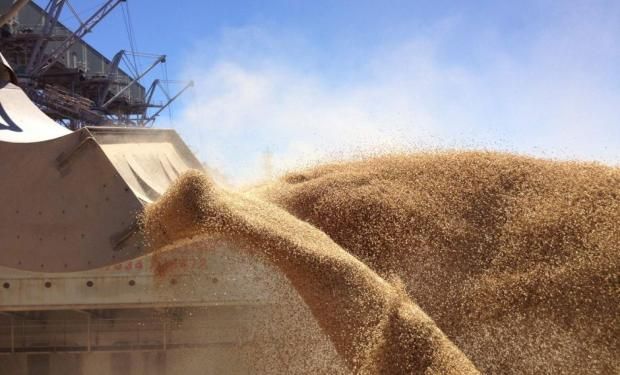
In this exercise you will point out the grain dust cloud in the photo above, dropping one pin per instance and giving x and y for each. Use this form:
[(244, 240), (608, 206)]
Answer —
[(425, 263)]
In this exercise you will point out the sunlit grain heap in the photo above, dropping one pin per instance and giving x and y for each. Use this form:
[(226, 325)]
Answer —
[(514, 259)]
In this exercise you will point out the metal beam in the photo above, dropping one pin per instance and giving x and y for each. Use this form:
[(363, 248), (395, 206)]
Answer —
[(12, 12), (52, 12), (149, 93), (152, 118), (112, 70), (148, 97), (160, 59), (18, 314), (78, 34)]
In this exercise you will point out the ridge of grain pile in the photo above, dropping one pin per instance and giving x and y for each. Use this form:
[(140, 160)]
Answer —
[(373, 324)]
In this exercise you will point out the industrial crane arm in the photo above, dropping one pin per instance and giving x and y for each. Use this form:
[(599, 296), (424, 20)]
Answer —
[(170, 100), (13, 10), (84, 28)]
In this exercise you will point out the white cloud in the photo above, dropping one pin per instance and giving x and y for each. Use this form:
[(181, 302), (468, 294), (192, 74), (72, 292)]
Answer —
[(556, 97)]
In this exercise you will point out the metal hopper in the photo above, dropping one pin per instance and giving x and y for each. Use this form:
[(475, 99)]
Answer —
[(69, 200)]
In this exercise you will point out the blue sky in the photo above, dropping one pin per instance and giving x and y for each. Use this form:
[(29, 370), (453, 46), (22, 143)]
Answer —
[(308, 81)]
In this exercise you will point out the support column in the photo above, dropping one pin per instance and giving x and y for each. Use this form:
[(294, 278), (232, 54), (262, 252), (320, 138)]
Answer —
[(88, 324), (165, 334), (12, 335)]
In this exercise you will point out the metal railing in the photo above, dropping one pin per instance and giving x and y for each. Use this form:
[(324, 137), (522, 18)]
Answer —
[(95, 334), (21, 28)]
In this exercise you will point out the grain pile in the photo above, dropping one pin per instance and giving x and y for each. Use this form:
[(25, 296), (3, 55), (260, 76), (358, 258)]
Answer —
[(515, 259), (373, 325)]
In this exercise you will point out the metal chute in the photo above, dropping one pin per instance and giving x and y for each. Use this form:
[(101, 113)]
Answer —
[(69, 200)]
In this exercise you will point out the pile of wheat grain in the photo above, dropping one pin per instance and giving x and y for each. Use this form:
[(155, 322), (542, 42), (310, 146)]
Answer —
[(372, 323), (514, 258)]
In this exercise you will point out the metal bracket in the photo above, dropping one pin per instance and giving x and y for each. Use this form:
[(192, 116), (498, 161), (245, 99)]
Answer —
[(119, 239), (62, 161)]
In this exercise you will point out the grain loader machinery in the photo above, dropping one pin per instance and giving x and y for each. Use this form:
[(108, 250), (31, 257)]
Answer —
[(78, 292)]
